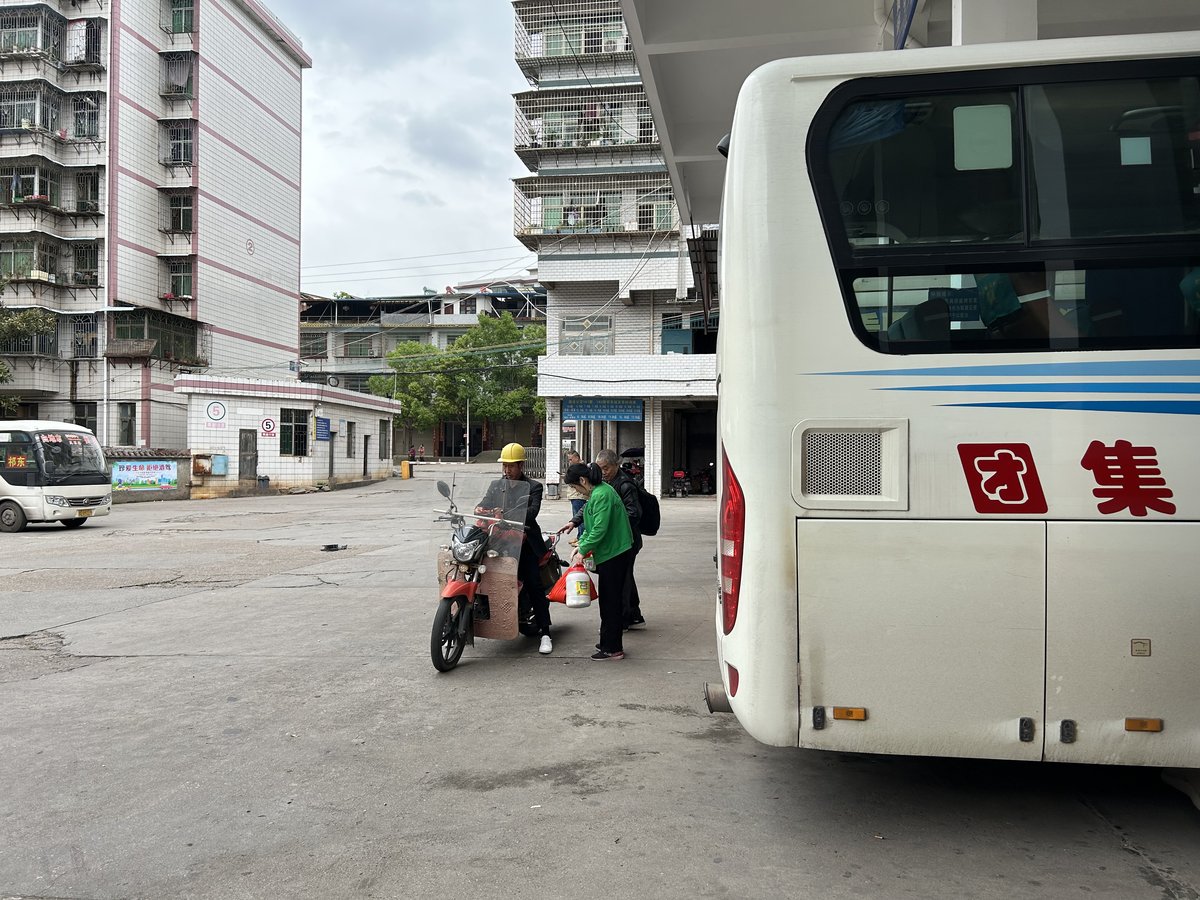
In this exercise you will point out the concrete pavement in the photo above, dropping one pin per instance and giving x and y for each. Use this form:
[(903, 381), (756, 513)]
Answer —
[(196, 701)]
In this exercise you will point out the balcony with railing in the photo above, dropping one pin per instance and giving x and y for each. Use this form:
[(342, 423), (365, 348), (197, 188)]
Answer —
[(552, 32), (551, 208), (31, 33), (83, 51), (572, 123), (32, 188), (31, 345), (32, 112)]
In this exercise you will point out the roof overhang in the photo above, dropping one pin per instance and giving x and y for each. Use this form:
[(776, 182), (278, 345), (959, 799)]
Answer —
[(694, 56)]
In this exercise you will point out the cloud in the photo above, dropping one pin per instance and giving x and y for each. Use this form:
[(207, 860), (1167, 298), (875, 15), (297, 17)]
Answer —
[(407, 142), (360, 34)]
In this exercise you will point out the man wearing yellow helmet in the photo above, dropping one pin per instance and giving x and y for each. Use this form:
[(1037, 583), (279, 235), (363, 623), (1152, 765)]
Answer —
[(533, 547)]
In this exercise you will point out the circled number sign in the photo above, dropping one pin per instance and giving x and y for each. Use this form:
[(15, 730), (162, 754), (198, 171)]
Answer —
[(268, 427), (216, 411), (250, 247)]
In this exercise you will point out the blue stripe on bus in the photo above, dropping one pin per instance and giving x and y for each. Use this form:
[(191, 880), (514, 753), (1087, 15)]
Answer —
[(1159, 367), (1063, 387), (1171, 407)]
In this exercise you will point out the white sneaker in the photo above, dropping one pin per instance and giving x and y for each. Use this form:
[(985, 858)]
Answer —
[(546, 645)]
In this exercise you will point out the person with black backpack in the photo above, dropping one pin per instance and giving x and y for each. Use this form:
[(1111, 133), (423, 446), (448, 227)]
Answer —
[(626, 487), (642, 509)]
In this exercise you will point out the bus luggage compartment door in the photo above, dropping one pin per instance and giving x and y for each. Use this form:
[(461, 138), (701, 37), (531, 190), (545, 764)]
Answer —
[(935, 628), (1122, 628)]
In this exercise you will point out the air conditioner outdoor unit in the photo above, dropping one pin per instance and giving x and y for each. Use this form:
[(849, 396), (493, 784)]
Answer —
[(610, 45), (372, 353)]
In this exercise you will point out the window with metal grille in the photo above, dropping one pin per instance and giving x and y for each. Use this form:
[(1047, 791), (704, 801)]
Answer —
[(86, 259), (87, 191), (85, 415), (586, 337), (180, 213), (181, 16), (127, 424), (313, 344), (358, 346), (180, 277), (177, 70), (178, 142), (293, 432), (350, 439), (385, 438), (86, 110)]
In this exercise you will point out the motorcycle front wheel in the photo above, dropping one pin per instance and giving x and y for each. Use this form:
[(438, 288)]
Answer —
[(446, 642)]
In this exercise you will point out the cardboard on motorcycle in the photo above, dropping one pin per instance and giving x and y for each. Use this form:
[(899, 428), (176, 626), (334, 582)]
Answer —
[(496, 595)]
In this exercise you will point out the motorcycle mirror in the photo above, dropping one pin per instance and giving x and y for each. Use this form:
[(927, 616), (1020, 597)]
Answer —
[(444, 489)]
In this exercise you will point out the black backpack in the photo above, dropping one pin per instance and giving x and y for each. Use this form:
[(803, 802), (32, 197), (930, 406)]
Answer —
[(651, 519)]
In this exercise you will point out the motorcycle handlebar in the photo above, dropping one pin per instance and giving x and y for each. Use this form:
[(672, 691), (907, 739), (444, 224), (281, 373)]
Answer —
[(451, 516)]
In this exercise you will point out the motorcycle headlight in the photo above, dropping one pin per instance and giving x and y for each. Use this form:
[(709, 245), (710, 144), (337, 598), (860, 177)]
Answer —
[(465, 551), (57, 501)]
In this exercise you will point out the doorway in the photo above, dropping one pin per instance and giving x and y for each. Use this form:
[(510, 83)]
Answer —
[(366, 450), (247, 454)]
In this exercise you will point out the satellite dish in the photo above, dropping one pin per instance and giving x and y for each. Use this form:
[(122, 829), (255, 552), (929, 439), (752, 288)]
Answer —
[(332, 381)]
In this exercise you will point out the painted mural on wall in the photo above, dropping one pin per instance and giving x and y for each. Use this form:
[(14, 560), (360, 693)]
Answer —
[(145, 475)]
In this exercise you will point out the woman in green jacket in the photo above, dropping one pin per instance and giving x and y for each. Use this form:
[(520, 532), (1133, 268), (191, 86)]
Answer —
[(606, 538)]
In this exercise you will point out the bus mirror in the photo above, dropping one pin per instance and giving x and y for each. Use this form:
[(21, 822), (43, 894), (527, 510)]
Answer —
[(723, 146)]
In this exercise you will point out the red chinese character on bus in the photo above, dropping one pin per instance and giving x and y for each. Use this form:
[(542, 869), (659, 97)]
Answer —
[(1002, 478), (1129, 478)]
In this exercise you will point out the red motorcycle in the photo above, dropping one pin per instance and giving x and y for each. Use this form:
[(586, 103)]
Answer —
[(477, 571)]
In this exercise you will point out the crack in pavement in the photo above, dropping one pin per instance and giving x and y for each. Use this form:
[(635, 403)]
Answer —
[(1154, 872)]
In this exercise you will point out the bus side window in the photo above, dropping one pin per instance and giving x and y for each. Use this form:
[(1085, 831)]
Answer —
[(1137, 302), (928, 321), (17, 463)]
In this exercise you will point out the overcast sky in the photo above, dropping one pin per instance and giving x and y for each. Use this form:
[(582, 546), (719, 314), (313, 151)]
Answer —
[(408, 158)]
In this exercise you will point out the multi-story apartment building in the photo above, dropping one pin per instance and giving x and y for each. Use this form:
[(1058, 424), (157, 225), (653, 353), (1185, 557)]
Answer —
[(150, 199), (629, 357)]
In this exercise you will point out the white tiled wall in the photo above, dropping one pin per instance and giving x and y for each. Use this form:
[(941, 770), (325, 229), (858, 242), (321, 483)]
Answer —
[(247, 173)]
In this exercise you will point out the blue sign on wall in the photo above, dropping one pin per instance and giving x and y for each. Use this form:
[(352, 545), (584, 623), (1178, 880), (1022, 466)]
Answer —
[(322, 428), (605, 409)]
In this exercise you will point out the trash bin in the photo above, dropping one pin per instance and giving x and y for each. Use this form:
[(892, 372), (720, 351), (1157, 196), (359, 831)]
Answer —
[(264, 482), (405, 469)]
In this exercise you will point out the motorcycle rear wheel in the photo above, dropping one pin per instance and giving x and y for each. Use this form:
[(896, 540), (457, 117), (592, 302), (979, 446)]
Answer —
[(446, 643)]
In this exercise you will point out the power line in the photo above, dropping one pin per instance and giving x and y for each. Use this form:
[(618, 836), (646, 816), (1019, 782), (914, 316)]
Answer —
[(371, 262), (374, 274)]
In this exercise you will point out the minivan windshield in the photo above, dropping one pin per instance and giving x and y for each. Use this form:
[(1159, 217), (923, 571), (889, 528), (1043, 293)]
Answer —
[(69, 457)]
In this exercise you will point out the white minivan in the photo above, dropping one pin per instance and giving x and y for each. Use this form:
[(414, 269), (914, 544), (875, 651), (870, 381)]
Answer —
[(51, 472)]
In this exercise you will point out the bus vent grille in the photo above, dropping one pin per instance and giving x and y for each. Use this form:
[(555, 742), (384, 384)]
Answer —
[(843, 462)]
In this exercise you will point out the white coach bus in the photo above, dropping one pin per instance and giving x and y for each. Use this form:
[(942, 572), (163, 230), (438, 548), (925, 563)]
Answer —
[(959, 369)]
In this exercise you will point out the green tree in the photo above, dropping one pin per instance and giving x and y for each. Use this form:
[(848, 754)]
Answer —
[(496, 366), (418, 381), (26, 323)]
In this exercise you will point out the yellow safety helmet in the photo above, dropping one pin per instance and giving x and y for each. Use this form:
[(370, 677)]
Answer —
[(512, 453)]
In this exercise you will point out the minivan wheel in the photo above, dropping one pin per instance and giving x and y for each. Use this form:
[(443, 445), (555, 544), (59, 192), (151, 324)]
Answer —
[(12, 517)]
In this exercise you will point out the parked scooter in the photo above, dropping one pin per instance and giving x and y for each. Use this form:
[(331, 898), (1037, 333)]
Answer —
[(477, 571), (680, 484), (703, 480)]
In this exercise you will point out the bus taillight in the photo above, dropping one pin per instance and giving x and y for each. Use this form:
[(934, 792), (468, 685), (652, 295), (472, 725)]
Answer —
[(733, 533)]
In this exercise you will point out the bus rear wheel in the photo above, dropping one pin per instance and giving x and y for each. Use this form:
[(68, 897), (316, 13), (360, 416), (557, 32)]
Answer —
[(12, 517), (74, 523)]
